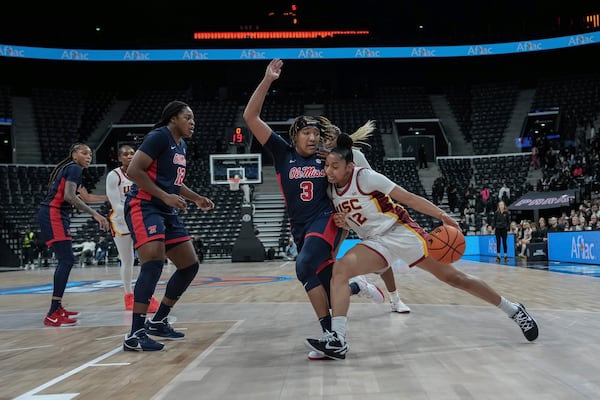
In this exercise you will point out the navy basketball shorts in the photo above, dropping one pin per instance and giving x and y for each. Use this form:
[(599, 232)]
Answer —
[(148, 222), (55, 225)]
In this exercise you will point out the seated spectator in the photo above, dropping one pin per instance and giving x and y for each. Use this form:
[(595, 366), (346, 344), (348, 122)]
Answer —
[(291, 251), (469, 213), (88, 248), (101, 250), (593, 225), (524, 239), (543, 229)]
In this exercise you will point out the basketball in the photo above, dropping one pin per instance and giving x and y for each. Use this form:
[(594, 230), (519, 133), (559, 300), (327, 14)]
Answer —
[(446, 244)]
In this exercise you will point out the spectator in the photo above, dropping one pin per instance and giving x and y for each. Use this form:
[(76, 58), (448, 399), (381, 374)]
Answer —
[(504, 193), (593, 225), (486, 199), (469, 213), (437, 190), (199, 246), (422, 157), (291, 250), (452, 196), (464, 227), (524, 239), (28, 248), (88, 248), (101, 250)]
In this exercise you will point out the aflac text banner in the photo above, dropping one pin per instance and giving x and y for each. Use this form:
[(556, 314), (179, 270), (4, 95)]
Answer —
[(578, 247)]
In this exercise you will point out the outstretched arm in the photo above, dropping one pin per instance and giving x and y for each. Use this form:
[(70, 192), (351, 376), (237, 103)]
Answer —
[(421, 205), (259, 128)]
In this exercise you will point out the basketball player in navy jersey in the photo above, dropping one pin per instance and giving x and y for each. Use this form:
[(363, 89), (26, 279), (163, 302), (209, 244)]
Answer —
[(118, 185), (65, 192), (304, 186), (152, 210), (369, 203)]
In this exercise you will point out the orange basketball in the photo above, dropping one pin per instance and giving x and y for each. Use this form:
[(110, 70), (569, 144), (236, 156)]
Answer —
[(446, 244)]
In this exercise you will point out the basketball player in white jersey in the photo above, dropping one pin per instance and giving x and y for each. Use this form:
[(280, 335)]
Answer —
[(117, 186), (369, 203), (329, 138)]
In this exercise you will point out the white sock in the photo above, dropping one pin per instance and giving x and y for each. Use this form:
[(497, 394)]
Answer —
[(508, 307), (338, 325), (394, 296)]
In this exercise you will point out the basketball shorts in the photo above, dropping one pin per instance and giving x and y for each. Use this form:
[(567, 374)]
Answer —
[(399, 242), (322, 227), (55, 225), (147, 223)]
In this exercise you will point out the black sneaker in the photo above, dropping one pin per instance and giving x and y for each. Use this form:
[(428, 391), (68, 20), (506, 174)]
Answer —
[(163, 329), (526, 323), (330, 344), (139, 341)]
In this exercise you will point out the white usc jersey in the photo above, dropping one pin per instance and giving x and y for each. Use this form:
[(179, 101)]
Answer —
[(117, 186), (369, 210)]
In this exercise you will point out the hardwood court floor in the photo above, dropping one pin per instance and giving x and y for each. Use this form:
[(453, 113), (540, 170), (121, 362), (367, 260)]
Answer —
[(245, 324)]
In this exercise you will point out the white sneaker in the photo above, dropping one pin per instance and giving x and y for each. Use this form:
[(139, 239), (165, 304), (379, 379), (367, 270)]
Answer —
[(399, 307), (369, 290), (314, 356)]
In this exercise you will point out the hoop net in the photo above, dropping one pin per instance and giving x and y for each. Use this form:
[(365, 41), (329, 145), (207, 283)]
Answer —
[(234, 184)]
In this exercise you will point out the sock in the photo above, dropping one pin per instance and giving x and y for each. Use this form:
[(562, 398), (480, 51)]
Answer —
[(338, 325), (162, 312), (508, 307), (137, 322), (354, 288), (394, 296), (326, 323), (54, 305)]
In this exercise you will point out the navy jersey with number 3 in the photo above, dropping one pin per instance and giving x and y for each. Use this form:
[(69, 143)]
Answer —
[(302, 180), (168, 167)]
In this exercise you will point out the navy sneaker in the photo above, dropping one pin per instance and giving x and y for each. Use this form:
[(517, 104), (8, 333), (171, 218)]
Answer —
[(139, 341), (526, 323), (331, 345), (163, 329)]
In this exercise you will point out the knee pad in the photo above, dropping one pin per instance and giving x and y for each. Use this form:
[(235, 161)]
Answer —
[(147, 280), (180, 281)]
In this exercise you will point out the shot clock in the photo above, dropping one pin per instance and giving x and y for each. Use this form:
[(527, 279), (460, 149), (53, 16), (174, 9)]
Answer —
[(239, 136)]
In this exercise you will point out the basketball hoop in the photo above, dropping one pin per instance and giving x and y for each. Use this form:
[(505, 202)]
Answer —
[(234, 184)]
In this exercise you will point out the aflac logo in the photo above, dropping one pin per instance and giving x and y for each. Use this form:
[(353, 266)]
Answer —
[(366, 53), (422, 52), (492, 245), (581, 250), (479, 50), (253, 55), (74, 55), (136, 55), (310, 53), (529, 46), (7, 51), (195, 55)]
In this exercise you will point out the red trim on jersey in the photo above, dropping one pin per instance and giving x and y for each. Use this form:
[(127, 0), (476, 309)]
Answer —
[(59, 197), (325, 264), (58, 229), (139, 228), (151, 172), (177, 240), (330, 233)]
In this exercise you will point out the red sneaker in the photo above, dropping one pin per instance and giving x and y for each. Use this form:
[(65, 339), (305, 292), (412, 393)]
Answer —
[(58, 319), (153, 306), (128, 298), (68, 314)]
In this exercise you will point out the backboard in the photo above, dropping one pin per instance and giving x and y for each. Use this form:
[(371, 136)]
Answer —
[(224, 166)]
